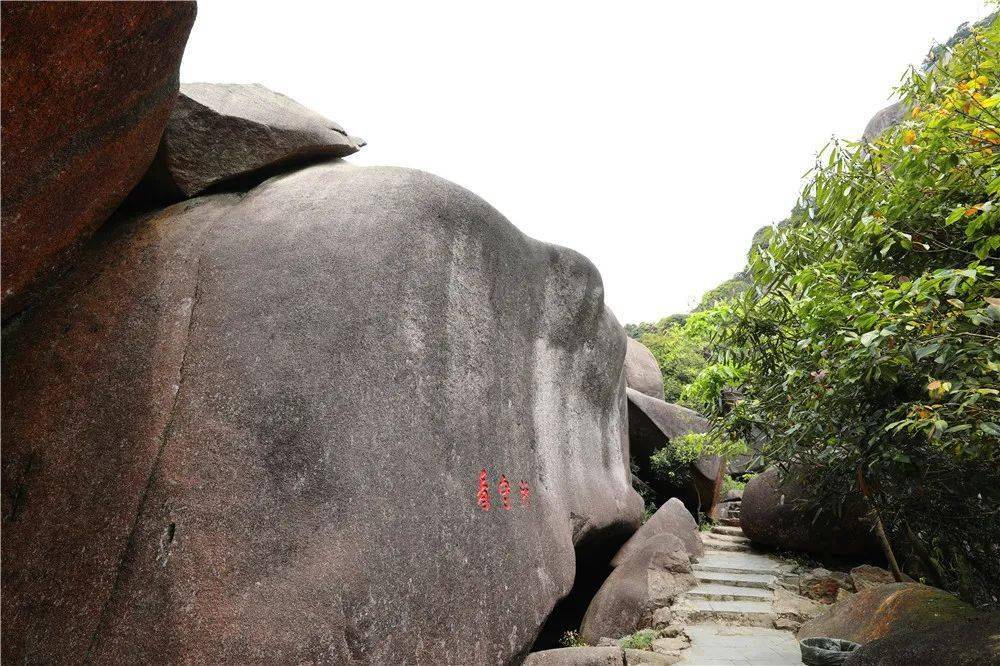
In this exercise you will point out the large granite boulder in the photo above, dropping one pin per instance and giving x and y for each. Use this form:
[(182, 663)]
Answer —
[(971, 641), (252, 429), (87, 88), (649, 579), (890, 609), (774, 513), (218, 132), (642, 372), (671, 518), (652, 424)]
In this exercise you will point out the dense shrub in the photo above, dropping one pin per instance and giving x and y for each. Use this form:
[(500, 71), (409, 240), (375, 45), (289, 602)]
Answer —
[(868, 346)]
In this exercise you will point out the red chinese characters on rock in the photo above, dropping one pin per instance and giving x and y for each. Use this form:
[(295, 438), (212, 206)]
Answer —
[(503, 487), (483, 496)]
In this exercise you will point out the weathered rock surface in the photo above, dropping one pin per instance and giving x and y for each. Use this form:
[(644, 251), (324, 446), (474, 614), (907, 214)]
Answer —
[(642, 372), (251, 429), (671, 518), (883, 120), (965, 642), (652, 424), (87, 88), (866, 576), (771, 514), (794, 607), (649, 579), (577, 656), (218, 132), (880, 611), (647, 658), (823, 585)]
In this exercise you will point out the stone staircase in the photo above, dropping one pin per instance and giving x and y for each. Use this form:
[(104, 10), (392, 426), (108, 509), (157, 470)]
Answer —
[(730, 613)]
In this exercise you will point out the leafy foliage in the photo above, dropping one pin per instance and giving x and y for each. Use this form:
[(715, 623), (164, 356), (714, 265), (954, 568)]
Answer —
[(868, 347), (640, 640)]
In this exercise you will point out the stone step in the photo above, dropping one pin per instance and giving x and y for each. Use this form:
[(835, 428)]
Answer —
[(727, 645), (749, 563), (734, 522), (735, 538), (733, 530), (745, 613), (729, 546), (751, 580), (722, 592)]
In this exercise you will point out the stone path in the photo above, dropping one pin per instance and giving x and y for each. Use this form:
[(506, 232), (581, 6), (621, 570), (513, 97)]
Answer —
[(730, 614)]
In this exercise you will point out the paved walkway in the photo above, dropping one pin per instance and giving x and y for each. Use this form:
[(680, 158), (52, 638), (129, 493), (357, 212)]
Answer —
[(730, 614)]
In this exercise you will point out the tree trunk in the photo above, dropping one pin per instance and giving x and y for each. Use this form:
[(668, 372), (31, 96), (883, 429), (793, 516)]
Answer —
[(879, 530)]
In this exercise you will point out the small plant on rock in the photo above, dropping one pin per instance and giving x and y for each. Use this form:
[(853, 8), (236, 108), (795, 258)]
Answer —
[(640, 640), (572, 639)]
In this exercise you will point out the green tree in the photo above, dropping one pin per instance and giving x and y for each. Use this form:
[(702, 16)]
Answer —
[(869, 343)]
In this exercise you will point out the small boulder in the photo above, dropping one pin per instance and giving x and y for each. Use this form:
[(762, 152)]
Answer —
[(577, 656), (218, 132), (671, 518), (649, 579), (879, 611), (671, 645), (823, 585), (972, 641), (773, 514), (794, 607), (642, 372), (866, 576)]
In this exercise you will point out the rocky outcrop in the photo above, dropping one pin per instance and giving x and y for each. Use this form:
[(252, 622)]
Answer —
[(252, 429), (652, 424), (773, 513), (965, 642), (888, 610), (87, 88), (642, 372), (219, 132), (883, 120), (671, 518), (651, 578)]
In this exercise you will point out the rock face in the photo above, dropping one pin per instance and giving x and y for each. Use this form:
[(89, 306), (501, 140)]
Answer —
[(650, 578), (671, 518), (771, 515), (824, 585), (220, 132), (890, 609), (642, 372), (652, 424), (966, 642), (87, 88), (577, 656), (251, 429), (883, 120)]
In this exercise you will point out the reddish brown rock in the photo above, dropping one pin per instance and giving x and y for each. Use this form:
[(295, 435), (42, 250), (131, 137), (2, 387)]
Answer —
[(86, 91), (971, 641), (879, 611), (775, 513), (866, 576)]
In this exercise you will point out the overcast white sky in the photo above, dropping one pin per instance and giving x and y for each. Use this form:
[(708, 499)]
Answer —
[(654, 137)]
